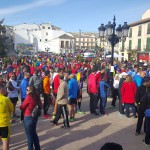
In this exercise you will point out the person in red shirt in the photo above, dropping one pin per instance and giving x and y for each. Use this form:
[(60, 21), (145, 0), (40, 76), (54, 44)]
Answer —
[(32, 69), (93, 91), (29, 121), (128, 92), (73, 69), (55, 85)]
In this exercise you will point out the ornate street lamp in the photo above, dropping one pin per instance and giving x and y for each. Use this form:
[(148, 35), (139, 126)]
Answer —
[(113, 36)]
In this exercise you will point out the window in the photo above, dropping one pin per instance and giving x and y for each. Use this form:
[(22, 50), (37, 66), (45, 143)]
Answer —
[(139, 44), (67, 44), (62, 44), (40, 40), (130, 33), (148, 28), (43, 27), (49, 28), (45, 39), (46, 33), (130, 44), (148, 44), (122, 45), (140, 30)]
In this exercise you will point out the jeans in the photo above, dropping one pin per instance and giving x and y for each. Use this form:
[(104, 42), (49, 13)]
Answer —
[(30, 129), (46, 103), (147, 134), (127, 107), (103, 101)]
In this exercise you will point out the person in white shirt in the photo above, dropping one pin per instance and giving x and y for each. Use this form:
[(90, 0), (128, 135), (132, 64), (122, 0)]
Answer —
[(12, 90), (115, 90)]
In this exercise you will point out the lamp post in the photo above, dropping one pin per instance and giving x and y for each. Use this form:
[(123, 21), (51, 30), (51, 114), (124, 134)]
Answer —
[(113, 35)]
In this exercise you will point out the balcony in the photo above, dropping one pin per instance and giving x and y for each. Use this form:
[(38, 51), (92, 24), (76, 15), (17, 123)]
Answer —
[(147, 48), (121, 49)]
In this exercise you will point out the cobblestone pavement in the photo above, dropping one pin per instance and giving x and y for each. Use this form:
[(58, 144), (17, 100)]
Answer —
[(88, 132)]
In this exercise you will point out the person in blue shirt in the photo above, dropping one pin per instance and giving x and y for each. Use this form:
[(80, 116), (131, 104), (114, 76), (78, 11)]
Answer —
[(135, 71), (104, 90), (72, 96), (138, 79), (23, 87)]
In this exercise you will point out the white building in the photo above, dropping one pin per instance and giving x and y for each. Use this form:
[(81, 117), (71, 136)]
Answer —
[(43, 37), (138, 40)]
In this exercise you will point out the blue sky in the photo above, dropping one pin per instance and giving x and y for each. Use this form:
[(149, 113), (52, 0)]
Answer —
[(72, 15)]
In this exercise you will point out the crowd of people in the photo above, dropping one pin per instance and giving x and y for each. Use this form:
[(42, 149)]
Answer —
[(59, 82)]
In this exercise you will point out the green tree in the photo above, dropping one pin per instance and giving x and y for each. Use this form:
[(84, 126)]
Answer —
[(3, 39)]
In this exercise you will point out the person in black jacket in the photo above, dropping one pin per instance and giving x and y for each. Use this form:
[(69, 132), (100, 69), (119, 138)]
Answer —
[(141, 91), (123, 77), (145, 102)]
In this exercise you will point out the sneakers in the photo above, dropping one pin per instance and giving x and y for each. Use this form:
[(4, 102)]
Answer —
[(137, 133), (52, 123), (112, 106), (127, 116), (65, 127), (47, 116), (97, 114), (71, 119), (80, 112), (53, 116), (146, 143)]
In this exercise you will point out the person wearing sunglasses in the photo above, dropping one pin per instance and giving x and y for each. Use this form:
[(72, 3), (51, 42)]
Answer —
[(30, 122)]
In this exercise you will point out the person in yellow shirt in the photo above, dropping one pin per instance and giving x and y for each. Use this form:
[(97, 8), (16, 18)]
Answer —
[(6, 108), (46, 90)]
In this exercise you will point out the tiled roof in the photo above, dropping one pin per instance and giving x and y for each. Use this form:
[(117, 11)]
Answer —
[(139, 22)]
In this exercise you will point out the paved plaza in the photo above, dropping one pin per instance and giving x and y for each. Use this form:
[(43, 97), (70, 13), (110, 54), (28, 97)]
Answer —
[(88, 132)]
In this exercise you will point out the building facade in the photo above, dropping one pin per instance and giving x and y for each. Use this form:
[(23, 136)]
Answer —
[(137, 44), (43, 37), (84, 40)]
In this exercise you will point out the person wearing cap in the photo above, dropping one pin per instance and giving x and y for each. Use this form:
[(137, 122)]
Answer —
[(141, 91)]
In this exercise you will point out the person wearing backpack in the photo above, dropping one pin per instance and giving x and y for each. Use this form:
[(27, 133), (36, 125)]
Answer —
[(36, 81), (30, 122)]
